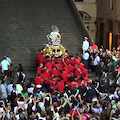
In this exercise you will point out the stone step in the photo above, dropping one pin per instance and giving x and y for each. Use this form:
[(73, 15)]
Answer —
[(25, 24)]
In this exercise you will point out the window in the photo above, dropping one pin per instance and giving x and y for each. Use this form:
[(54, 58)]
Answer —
[(110, 26), (87, 27), (78, 0), (111, 5)]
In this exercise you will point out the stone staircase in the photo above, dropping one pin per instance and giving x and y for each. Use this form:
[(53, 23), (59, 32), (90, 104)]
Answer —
[(24, 25)]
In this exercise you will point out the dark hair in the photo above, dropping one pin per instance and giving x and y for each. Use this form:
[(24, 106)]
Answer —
[(42, 71), (3, 81), (14, 86), (1, 104), (21, 98), (70, 79), (19, 95), (20, 110), (29, 109)]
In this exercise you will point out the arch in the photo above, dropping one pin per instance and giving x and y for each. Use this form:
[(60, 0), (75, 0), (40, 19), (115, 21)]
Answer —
[(85, 15)]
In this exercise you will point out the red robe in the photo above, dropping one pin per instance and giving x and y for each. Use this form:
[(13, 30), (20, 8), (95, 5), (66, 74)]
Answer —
[(64, 75), (60, 86), (38, 58), (38, 81), (39, 70)]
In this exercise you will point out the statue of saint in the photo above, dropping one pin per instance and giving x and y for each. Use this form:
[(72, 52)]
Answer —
[(54, 38)]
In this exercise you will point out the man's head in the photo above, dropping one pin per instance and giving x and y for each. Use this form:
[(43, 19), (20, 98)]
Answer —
[(4, 57), (86, 38)]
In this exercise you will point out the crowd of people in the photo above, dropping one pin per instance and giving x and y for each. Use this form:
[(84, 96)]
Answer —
[(62, 89)]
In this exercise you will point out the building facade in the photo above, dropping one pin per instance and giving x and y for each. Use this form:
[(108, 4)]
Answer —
[(102, 19), (88, 11), (108, 23)]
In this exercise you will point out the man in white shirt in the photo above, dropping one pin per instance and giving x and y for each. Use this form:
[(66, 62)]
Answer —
[(4, 65), (3, 90), (8, 59), (96, 60), (85, 45), (19, 87), (86, 59)]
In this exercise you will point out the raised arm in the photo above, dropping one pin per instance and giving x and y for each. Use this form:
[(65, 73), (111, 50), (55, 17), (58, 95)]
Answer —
[(80, 118), (73, 114), (64, 102)]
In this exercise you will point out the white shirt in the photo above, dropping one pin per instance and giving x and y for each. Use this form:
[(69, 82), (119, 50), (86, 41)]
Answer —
[(17, 117), (19, 88), (41, 105), (9, 89), (116, 95), (85, 45), (9, 60), (96, 60), (111, 96), (97, 110), (114, 58), (30, 90), (20, 103), (86, 56), (23, 74), (5, 64), (4, 92)]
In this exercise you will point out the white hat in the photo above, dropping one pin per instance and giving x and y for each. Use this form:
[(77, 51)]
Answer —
[(103, 95), (94, 99), (86, 38), (38, 86)]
